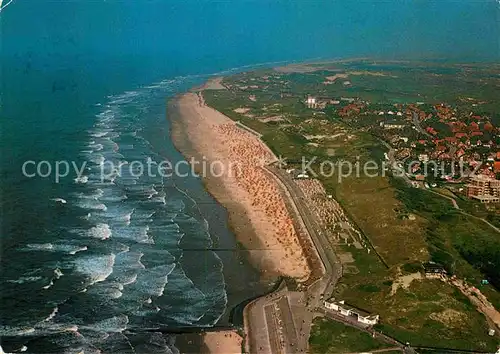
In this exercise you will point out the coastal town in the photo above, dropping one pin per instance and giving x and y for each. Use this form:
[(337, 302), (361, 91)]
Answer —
[(335, 263), (438, 144), (250, 177)]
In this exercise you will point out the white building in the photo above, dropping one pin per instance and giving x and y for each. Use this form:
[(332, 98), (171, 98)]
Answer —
[(423, 157), (352, 312), (311, 102), (393, 125)]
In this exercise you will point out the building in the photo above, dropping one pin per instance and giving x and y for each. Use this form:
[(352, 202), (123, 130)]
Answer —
[(484, 189), (434, 270), (486, 199), (423, 157), (479, 185), (311, 102), (495, 187), (394, 125), (354, 313)]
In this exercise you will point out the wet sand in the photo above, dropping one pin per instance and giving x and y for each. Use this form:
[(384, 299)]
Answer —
[(258, 215)]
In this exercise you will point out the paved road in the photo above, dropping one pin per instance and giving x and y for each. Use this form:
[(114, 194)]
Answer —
[(394, 164), (333, 268), (453, 201), (416, 123), (281, 322), (455, 205)]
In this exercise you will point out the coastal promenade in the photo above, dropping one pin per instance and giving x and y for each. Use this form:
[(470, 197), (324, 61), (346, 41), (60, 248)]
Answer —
[(281, 322)]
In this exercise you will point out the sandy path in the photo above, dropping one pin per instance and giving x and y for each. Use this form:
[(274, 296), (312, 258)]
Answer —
[(477, 298), (237, 180)]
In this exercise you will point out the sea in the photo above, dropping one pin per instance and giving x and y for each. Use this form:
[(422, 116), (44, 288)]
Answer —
[(117, 264)]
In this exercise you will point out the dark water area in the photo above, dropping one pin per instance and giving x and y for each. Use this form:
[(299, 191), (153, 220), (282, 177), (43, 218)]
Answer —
[(101, 260)]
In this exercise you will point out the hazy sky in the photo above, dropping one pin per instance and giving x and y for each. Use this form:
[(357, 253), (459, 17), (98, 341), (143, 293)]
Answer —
[(251, 31)]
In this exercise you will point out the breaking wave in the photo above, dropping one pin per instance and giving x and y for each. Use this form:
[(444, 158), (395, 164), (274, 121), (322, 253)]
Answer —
[(119, 263)]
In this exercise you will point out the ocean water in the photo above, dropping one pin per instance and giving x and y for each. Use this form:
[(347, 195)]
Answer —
[(90, 264)]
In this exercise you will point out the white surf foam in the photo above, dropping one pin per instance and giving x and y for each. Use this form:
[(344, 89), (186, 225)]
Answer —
[(98, 134), (49, 285), (96, 147), (98, 159), (96, 268), (58, 273), (93, 194), (100, 231), (107, 290), (83, 179), (90, 204), (57, 247), (16, 331), (23, 280), (137, 234), (52, 315), (153, 281), (115, 324), (40, 246)]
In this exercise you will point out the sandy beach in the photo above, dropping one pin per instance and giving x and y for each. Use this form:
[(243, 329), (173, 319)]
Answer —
[(223, 342), (256, 209)]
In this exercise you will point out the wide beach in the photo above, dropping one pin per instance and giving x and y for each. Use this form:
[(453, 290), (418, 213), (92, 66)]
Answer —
[(257, 211)]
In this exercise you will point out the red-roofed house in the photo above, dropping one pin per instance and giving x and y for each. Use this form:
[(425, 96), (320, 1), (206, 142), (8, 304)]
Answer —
[(488, 126), (496, 166), (431, 130)]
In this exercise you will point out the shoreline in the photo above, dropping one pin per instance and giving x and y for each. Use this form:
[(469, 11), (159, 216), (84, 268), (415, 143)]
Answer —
[(257, 212)]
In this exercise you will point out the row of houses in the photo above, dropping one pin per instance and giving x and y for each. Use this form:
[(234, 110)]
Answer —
[(484, 189), (351, 312)]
